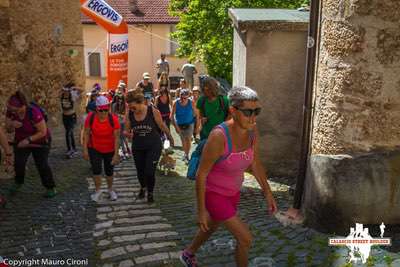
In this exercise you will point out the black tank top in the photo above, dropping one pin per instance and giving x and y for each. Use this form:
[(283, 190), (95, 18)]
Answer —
[(146, 133), (163, 108)]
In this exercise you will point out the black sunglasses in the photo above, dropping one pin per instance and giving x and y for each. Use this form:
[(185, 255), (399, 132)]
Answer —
[(249, 112), (102, 110)]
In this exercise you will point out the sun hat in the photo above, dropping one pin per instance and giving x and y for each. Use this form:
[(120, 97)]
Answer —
[(102, 102), (146, 76)]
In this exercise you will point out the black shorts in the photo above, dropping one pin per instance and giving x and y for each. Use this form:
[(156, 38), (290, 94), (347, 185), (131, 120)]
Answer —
[(97, 159)]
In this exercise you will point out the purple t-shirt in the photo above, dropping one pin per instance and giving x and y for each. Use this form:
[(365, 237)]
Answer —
[(28, 128)]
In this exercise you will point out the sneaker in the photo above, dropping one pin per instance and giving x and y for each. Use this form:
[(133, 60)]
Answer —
[(113, 195), (15, 188), (50, 193), (141, 193), (188, 259), (95, 196), (150, 198)]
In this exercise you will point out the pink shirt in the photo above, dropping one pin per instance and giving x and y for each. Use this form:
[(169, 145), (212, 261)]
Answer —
[(28, 128), (226, 176)]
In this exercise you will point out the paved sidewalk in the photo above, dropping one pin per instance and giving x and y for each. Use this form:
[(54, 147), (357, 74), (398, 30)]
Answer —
[(130, 232)]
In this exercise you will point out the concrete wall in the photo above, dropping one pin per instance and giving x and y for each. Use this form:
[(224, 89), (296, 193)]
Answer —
[(274, 66), (36, 50), (144, 51), (357, 117)]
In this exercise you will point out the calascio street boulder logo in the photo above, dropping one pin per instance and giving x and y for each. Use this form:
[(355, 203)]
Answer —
[(359, 242)]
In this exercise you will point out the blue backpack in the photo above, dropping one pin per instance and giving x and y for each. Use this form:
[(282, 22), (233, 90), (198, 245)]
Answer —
[(194, 161)]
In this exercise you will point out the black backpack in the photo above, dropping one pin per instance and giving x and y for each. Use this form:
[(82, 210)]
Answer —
[(110, 120), (221, 104), (42, 111)]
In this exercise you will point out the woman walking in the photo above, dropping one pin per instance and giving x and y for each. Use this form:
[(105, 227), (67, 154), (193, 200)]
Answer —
[(184, 113), (163, 104), (145, 122), (31, 137), (163, 82), (101, 144), (231, 149)]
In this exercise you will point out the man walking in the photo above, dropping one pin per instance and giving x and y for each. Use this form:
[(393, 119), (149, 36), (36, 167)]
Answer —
[(188, 71), (162, 65)]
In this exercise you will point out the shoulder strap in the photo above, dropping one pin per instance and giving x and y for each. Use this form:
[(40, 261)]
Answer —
[(202, 105), (228, 137), (91, 119), (111, 120)]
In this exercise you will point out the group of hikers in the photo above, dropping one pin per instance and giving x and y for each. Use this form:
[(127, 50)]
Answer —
[(136, 122)]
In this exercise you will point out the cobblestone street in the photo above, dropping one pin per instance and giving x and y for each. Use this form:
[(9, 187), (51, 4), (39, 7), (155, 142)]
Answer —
[(130, 232)]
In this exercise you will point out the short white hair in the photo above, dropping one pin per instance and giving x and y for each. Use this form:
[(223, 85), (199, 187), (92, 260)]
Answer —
[(238, 94)]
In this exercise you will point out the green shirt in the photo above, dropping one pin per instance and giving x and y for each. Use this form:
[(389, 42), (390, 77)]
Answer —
[(213, 111)]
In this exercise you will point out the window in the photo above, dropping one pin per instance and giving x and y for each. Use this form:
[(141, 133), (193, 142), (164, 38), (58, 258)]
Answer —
[(94, 64), (172, 45)]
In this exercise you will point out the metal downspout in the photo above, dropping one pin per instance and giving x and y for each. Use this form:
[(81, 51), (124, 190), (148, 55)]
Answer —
[(307, 106)]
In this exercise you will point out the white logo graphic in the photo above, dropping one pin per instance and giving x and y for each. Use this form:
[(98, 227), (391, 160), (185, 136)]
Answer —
[(103, 10), (118, 44), (359, 242)]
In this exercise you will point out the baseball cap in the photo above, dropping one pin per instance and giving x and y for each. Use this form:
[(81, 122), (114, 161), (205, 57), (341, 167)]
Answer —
[(185, 92), (102, 102), (121, 84), (146, 76)]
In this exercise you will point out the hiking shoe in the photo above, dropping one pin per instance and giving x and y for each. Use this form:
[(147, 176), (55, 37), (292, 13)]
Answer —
[(150, 198), (188, 259), (50, 193), (95, 196), (15, 188), (113, 195), (142, 192)]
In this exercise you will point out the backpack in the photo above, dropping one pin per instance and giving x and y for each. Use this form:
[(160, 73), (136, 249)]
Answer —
[(194, 161), (110, 120), (221, 104), (91, 121), (42, 111)]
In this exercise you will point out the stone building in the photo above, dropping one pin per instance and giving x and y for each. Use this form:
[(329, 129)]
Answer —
[(272, 42), (41, 48), (354, 168), (353, 173)]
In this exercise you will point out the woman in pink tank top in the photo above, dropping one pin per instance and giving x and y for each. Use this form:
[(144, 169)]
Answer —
[(231, 149)]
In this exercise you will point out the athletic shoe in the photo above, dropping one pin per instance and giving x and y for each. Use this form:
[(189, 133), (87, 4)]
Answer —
[(141, 194), (188, 259), (50, 193), (95, 196), (15, 188), (150, 198), (113, 195)]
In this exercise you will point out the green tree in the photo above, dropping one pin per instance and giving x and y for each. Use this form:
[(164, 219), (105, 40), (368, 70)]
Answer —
[(205, 33)]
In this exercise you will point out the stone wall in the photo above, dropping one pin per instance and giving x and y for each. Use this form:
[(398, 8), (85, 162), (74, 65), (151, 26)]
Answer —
[(41, 48), (354, 168), (358, 104)]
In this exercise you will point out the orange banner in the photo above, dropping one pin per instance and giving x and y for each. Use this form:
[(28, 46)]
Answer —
[(117, 55)]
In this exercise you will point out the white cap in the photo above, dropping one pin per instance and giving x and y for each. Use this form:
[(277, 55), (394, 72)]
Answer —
[(102, 101)]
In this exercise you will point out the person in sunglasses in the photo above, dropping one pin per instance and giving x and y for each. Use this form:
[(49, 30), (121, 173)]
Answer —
[(143, 124), (101, 144), (32, 136), (231, 148)]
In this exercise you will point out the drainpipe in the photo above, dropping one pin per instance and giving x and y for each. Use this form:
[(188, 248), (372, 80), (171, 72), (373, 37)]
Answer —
[(307, 107)]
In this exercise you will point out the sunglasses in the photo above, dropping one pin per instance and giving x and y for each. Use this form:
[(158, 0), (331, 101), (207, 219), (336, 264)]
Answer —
[(102, 110), (249, 112)]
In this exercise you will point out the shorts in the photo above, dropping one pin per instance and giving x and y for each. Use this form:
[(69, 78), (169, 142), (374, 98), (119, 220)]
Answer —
[(186, 130), (220, 207), (97, 159)]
